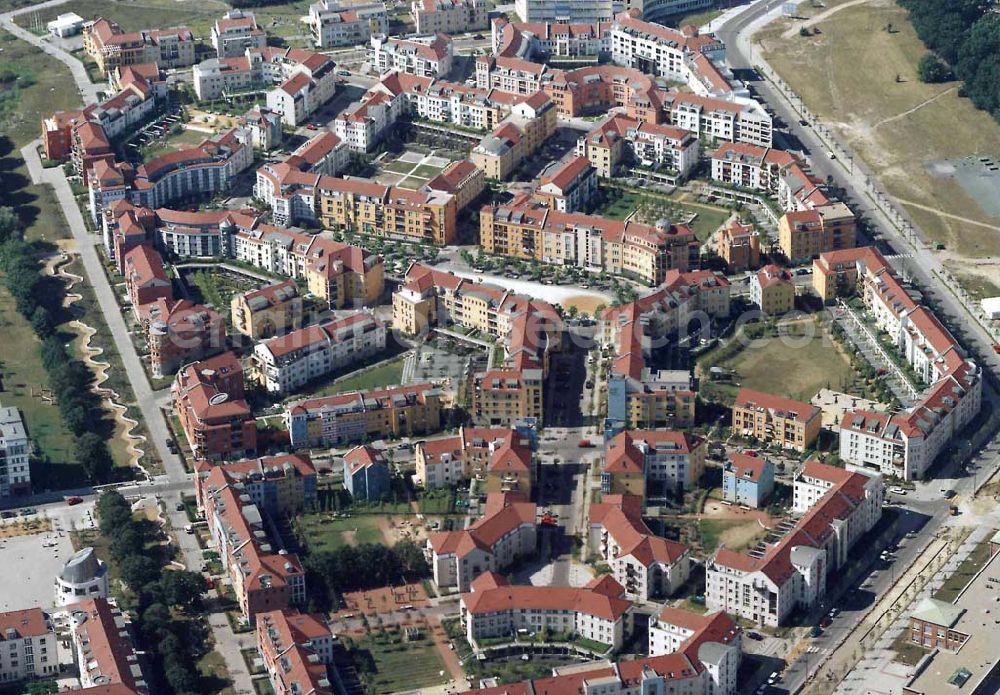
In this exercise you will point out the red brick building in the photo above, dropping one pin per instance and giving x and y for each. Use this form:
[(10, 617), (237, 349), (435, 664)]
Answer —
[(208, 399)]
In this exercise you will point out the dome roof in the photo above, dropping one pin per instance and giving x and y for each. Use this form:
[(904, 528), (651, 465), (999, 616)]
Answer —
[(82, 567)]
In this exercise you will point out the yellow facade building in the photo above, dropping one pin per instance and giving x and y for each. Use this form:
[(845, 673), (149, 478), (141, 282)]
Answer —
[(776, 421)]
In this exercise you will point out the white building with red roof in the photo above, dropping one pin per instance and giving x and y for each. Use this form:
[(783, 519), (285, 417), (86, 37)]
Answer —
[(494, 608), (767, 586), (333, 24), (28, 647), (505, 533), (286, 363), (568, 186), (451, 460), (296, 649), (235, 33), (646, 565), (428, 55), (103, 646)]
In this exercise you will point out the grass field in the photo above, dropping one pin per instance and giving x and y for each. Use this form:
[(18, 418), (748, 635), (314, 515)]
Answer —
[(143, 14), (735, 533), (23, 379), (388, 374), (323, 532), (405, 666), (184, 139), (216, 288), (847, 74), (796, 367)]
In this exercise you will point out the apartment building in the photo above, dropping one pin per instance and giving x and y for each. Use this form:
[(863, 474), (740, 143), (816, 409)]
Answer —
[(792, 572), (190, 173), (208, 398), (505, 533), (461, 179), (638, 251), (284, 364), (620, 140), (804, 234), (782, 175), (104, 649), (494, 608), (427, 55), (179, 331), (289, 187), (452, 460), (646, 566), (235, 33), (637, 459), (776, 421), (333, 25), (449, 16), (531, 122), (27, 646), (508, 397), (343, 276), (509, 74), (367, 207), (748, 480), (112, 47), (772, 289), (366, 474), (542, 40), (905, 443), (297, 650), (398, 411), (279, 485), (296, 81), (145, 279), (583, 11), (568, 186), (677, 630), (264, 578), (739, 246), (268, 311), (264, 127), (640, 396), (681, 55), (85, 136)]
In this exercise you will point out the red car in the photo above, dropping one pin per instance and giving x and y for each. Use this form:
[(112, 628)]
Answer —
[(73, 500), (585, 444)]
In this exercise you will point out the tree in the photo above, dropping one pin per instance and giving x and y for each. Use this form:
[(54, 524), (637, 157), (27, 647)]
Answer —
[(93, 454), (932, 69), (41, 322), (182, 588), (138, 571), (11, 227)]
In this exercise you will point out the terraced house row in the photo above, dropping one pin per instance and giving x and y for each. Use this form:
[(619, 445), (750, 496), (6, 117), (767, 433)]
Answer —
[(905, 443), (523, 229)]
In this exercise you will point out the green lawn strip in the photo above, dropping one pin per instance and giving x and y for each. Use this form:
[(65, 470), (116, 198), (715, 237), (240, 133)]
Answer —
[(953, 586), (427, 171), (388, 374), (403, 665), (397, 167), (906, 651), (144, 14)]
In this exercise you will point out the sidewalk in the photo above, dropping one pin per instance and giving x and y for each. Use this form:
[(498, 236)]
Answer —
[(94, 270)]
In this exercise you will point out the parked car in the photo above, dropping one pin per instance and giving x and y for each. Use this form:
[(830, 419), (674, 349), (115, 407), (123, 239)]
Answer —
[(73, 500)]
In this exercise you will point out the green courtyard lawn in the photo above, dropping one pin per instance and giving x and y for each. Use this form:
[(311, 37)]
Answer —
[(389, 666), (143, 14), (217, 288), (361, 379), (676, 206), (793, 366), (322, 532), (185, 138)]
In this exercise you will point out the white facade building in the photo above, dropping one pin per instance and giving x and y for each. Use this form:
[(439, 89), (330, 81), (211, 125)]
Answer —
[(333, 25), (27, 646), (288, 362), (83, 576), (426, 56), (15, 473)]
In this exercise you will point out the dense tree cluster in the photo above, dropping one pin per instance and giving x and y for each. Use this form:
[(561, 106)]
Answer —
[(365, 566), (966, 35), (38, 298), (175, 642)]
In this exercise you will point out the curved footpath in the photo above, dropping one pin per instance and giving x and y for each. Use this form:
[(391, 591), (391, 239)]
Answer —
[(88, 90)]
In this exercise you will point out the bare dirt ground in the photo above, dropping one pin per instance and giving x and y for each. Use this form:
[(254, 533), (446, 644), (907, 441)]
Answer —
[(401, 528), (385, 599), (857, 72)]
